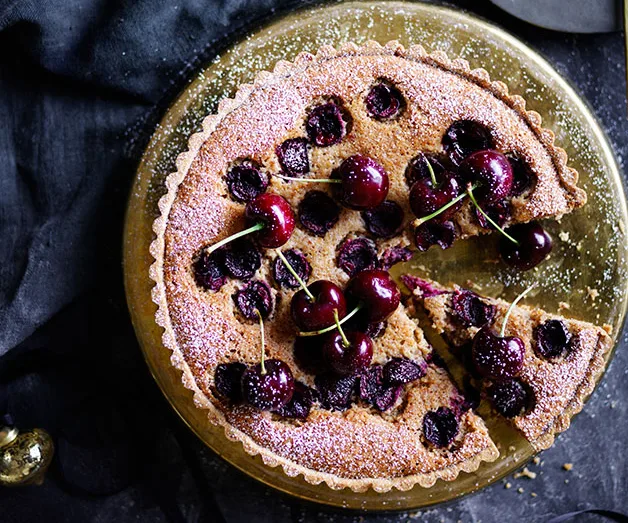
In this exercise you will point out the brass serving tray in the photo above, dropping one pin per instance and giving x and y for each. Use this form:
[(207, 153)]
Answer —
[(587, 270)]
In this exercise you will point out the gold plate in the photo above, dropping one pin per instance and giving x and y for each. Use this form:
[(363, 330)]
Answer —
[(587, 269)]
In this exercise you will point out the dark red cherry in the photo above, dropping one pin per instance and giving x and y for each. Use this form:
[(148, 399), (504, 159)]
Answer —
[(293, 158), (523, 177), (464, 137), (495, 357), (242, 259), (228, 380), (499, 212), (364, 182), (298, 262), (301, 403), (387, 397), (256, 296), (276, 214), (385, 220), (325, 125), (336, 392), (316, 315), (425, 198), (510, 398), (371, 383), (419, 167), (360, 322), (440, 426), (470, 310), (492, 171), (399, 371), (552, 339), (434, 232), (377, 291), (318, 213), (356, 255), (374, 390), (534, 244), (351, 359), (246, 181), (270, 390), (209, 270), (383, 101)]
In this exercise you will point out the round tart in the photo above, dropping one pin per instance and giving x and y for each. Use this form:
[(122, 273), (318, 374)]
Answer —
[(377, 119)]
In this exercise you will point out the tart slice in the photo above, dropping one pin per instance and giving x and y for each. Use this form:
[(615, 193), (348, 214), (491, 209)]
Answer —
[(560, 360)]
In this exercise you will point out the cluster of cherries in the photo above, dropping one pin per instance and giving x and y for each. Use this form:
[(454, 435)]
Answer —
[(498, 358), (318, 309), (472, 168)]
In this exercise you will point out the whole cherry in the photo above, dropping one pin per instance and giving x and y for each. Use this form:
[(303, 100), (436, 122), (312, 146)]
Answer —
[(276, 217), (273, 221), (496, 356), (363, 182), (428, 195), (313, 306), (376, 291), (534, 244), (492, 172), (269, 385), (348, 353)]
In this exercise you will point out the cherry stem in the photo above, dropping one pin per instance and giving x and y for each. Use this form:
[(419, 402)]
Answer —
[(345, 341), (261, 328), (421, 221), (296, 276), (256, 227), (512, 306), (303, 180), (431, 171), (332, 327), (489, 219)]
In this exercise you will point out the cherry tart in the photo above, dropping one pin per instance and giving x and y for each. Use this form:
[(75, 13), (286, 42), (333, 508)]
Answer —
[(536, 374), (277, 234)]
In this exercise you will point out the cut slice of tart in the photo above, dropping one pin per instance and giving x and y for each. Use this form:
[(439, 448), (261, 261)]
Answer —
[(562, 357), (312, 165)]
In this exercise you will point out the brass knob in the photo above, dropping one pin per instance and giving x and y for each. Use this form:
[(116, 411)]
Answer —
[(24, 456)]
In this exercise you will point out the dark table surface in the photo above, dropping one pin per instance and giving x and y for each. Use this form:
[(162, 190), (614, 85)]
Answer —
[(73, 366)]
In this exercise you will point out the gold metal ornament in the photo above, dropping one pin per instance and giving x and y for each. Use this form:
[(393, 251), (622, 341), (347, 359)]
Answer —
[(24, 456)]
